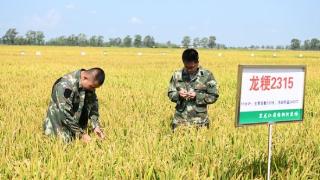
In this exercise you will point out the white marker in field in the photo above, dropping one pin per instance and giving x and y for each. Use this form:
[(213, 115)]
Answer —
[(300, 55), (82, 53), (105, 53), (139, 53), (274, 55), (220, 54), (252, 54), (38, 53), (22, 53)]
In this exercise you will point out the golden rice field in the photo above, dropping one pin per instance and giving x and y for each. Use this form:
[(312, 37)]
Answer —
[(136, 116)]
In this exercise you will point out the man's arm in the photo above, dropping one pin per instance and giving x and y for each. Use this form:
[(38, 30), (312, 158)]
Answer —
[(211, 95), (173, 93), (64, 96), (94, 112)]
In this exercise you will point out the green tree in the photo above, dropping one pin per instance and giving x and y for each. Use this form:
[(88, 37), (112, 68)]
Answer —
[(93, 41), (221, 46), (20, 40), (137, 42), (204, 42), (127, 41), (306, 45), (115, 41), (39, 38), (10, 36), (280, 47), (72, 40), (186, 41), (212, 42), (31, 37), (315, 44), (100, 41), (196, 42), (169, 44), (295, 44), (62, 40), (148, 41), (82, 40)]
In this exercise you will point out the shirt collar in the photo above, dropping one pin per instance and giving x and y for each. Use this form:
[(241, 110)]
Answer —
[(78, 78), (195, 74)]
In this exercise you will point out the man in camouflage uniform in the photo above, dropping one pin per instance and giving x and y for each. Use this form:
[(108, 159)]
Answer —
[(192, 89), (73, 102)]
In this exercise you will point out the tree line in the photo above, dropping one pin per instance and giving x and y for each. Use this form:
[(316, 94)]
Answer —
[(313, 44), (12, 37)]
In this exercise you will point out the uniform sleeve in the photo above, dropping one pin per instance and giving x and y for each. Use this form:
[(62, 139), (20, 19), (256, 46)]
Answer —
[(64, 96), (94, 112), (173, 93), (211, 94)]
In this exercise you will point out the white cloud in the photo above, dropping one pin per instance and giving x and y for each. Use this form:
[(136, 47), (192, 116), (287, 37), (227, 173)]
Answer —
[(135, 20), (273, 30), (92, 12), (192, 28), (70, 6), (47, 21)]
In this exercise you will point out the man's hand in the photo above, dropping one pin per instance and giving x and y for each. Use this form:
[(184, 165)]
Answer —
[(86, 138), (191, 95), (183, 93), (98, 131)]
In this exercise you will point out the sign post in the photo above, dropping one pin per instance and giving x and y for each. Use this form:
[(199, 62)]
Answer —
[(270, 94), (269, 150)]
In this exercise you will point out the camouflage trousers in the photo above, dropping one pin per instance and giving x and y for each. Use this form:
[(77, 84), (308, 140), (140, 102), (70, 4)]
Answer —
[(56, 129), (51, 129), (191, 116)]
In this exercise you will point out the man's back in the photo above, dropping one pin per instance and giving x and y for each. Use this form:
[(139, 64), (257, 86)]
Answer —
[(70, 107)]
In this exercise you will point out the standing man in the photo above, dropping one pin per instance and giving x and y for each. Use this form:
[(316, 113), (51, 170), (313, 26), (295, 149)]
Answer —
[(192, 88), (73, 102)]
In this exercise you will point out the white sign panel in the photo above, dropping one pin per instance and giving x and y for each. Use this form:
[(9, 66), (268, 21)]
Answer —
[(269, 94)]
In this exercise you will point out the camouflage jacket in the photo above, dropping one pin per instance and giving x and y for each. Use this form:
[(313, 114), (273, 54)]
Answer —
[(68, 100), (193, 111)]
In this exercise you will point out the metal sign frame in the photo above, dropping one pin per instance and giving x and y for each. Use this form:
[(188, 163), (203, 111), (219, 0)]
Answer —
[(240, 72)]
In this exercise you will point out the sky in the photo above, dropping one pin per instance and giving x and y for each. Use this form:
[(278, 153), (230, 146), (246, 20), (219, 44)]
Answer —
[(234, 23)]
